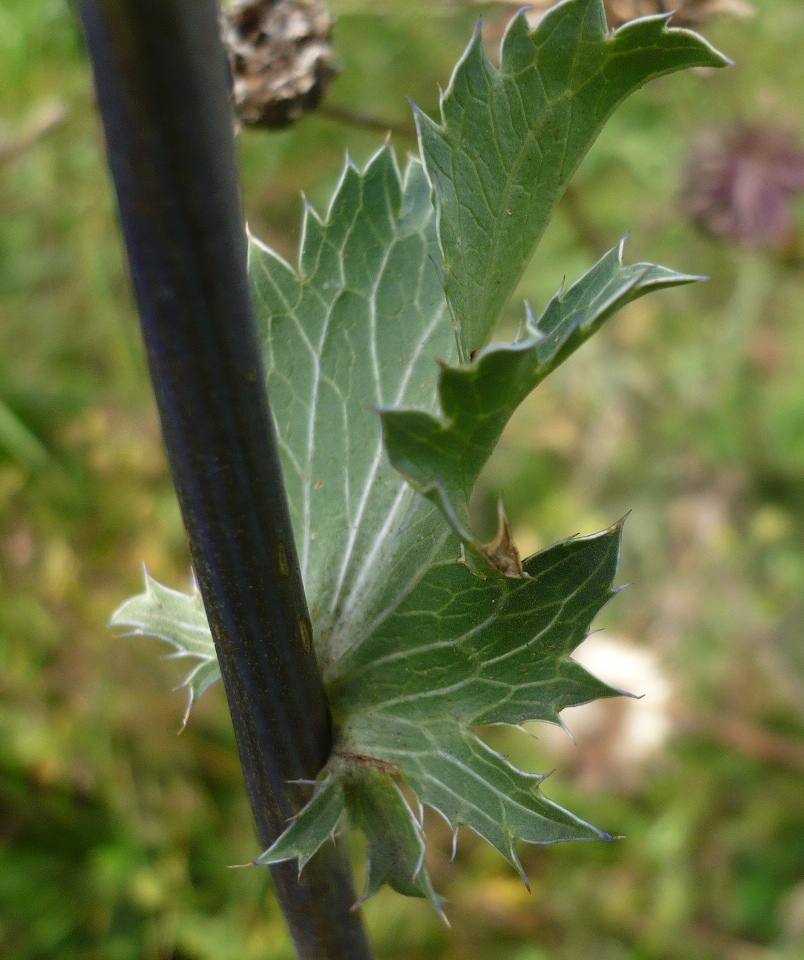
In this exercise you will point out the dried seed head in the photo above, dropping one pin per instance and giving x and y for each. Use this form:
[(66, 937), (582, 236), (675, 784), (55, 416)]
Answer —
[(281, 57), (739, 184)]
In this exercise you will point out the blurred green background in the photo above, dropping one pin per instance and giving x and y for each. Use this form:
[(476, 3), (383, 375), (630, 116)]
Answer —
[(687, 410)]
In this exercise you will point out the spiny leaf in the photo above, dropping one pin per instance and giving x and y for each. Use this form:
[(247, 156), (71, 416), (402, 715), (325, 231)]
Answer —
[(442, 457), (394, 838), (415, 648), (376, 806), (483, 651), (459, 652), (180, 620), (315, 823), (510, 139), (430, 649), (356, 327)]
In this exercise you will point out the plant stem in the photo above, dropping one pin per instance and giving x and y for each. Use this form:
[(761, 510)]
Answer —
[(163, 92), (333, 111)]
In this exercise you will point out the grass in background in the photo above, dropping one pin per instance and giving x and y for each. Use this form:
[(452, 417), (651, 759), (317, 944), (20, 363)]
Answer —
[(688, 410)]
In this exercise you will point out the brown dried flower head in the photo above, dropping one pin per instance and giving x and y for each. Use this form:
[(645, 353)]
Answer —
[(281, 57), (740, 184)]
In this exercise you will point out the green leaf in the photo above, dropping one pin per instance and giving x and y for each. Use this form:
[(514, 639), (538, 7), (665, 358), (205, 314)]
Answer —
[(510, 139), (315, 823), (416, 649), (404, 664), (376, 806), (460, 651), (457, 652), (355, 327), (442, 457), (394, 837), (180, 620)]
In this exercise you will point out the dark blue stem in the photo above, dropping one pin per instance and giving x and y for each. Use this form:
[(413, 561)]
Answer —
[(162, 86)]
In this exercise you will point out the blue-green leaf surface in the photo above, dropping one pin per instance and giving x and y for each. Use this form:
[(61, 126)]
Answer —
[(178, 619), (316, 823), (460, 651), (418, 644), (442, 456), (355, 327), (510, 139)]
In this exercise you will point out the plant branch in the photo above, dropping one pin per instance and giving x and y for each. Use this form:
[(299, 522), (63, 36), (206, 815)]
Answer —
[(162, 88), (47, 118), (353, 118)]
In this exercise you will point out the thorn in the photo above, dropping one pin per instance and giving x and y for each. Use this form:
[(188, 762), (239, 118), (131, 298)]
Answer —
[(419, 865), (567, 730), (501, 553), (524, 729), (454, 845), (619, 524), (421, 813), (184, 719), (438, 270), (529, 325), (444, 817), (514, 857)]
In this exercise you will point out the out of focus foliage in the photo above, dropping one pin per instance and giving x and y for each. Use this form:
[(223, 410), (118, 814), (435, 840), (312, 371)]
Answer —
[(116, 833)]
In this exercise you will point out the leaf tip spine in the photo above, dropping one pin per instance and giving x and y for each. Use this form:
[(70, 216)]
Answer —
[(563, 725), (516, 863), (186, 717), (475, 41), (662, 21), (618, 525)]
